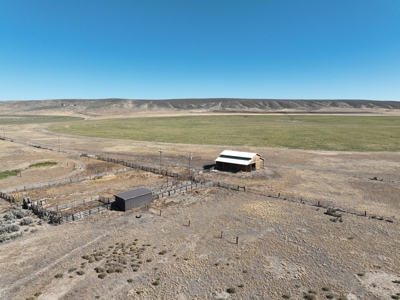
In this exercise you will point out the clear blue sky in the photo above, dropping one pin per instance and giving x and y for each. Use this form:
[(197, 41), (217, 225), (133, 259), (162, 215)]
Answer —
[(162, 49)]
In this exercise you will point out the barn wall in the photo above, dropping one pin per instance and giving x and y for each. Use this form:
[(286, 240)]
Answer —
[(237, 168), (231, 167), (257, 160)]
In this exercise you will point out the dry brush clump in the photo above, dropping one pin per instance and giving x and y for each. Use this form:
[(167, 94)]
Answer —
[(117, 258)]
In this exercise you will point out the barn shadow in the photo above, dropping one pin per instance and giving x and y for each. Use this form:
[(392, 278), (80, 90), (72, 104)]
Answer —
[(209, 167)]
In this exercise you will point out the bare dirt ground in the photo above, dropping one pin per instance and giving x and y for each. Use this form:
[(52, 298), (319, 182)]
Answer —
[(284, 249)]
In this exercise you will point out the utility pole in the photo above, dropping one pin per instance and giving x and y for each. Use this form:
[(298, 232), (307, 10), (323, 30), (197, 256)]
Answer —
[(59, 147), (190, 158), (160, 159)]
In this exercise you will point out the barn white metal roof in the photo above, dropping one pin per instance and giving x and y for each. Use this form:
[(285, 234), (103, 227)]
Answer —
[(238, 153), (236, 157)]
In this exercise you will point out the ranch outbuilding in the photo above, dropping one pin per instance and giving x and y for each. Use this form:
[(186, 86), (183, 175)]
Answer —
[(236, 161), (133, 198)]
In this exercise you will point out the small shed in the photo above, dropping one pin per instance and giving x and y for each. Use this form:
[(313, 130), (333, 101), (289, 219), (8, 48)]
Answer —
[(134, 198), (236, 161)]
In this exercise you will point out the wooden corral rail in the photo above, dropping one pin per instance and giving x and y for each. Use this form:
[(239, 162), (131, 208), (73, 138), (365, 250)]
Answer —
[(139, 167), (72, 211), (10, 199), (181, 188), (65, 206), (65, 217), (64, 181), (44, 213)]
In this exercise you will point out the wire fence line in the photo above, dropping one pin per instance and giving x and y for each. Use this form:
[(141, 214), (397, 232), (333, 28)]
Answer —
[(63, 181), (224, 185), (39, 145), (315, 203), (329, 205)]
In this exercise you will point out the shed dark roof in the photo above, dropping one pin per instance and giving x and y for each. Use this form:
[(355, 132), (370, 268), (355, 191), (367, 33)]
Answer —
[(133, 193)]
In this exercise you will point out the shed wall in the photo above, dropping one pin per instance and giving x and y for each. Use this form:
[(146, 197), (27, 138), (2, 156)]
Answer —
[(130, 203), (138, 201)]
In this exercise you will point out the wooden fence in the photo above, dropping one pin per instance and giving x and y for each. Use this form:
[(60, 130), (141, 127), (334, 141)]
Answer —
[(10, 199), (180, 188), (72, 211), (77, 203), (139, 167)]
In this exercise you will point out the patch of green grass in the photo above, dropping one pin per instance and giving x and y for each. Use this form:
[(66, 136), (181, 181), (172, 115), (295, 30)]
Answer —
[(8, 173), (5, 174), (43, 164), (337, 133)]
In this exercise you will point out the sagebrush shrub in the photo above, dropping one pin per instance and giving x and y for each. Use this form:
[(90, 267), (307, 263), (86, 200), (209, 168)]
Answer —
[(26, 221)]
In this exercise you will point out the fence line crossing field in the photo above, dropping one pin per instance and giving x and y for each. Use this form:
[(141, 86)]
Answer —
[(308, 132)]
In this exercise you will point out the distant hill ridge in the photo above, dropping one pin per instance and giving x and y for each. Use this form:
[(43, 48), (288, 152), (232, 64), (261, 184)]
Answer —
[(100, 106)]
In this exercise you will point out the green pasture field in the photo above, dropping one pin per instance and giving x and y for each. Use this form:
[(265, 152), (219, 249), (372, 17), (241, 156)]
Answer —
[(316, 132), (34, 119)]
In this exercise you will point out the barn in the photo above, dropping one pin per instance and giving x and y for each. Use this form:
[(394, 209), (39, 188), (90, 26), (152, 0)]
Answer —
[(134, 198), (236, 161)]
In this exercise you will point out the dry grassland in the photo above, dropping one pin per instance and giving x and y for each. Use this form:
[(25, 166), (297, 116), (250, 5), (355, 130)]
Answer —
[(286, 250)]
